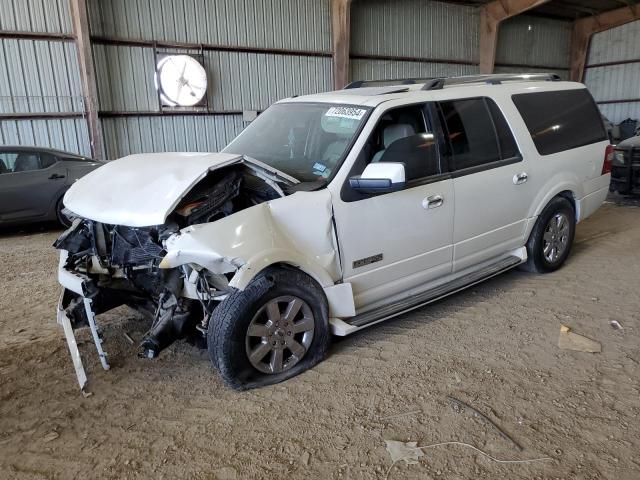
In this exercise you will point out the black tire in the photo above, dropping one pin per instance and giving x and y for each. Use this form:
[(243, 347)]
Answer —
[(62, 218), (537, 262), (231, 319)]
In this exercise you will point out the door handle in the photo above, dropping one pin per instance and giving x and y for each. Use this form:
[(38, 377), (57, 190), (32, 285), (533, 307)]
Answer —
[(56, 176), (520, 178), (432, 201)]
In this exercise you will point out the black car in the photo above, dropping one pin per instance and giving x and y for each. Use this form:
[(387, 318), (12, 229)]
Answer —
[(625, 167), (33, 181)]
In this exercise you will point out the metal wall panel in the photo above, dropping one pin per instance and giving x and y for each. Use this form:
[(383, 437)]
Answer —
[(39, 76), (124, 136), (364, 69), (564, 74), (43, 16), (125, 78), (527, 40), (287, 24), (617, 112), (616, 82), (415, 28), (68, 134), (237, 80), (616, 44)]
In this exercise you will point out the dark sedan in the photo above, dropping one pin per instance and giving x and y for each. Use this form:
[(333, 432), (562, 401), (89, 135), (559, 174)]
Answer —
[(33, 181)]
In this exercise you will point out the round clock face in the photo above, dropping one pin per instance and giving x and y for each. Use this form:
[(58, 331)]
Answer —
[(182, 80)]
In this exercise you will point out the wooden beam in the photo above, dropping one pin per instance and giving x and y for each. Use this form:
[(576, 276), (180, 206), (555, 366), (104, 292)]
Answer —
[(80, 21), (491, 15), (584, 28), (340, 33)]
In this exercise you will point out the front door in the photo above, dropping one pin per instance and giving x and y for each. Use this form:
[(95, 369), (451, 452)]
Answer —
[(390, 243)]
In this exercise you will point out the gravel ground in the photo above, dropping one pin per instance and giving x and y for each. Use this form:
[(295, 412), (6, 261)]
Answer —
[(493, 346)]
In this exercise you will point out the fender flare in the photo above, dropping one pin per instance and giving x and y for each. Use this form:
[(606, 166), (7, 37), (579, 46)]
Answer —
[(253, 266)]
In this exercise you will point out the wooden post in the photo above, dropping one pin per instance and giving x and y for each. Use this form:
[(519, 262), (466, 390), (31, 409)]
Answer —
[(584, 28), (340, 32), (491, 15), (80, 21)]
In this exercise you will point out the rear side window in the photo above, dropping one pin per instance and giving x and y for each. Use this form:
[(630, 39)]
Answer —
[(560, 120), (477, 133), (508, 147)]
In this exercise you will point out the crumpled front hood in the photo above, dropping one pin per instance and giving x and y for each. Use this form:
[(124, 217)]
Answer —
[(143, 189)]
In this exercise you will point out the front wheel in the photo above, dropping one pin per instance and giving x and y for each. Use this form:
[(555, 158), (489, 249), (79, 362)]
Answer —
[(550, 241), (273, 330)]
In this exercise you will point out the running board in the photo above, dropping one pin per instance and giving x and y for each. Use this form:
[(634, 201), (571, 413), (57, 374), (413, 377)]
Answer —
[(417, 301)]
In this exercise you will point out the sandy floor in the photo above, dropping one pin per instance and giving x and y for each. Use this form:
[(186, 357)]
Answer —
[(494, 346)]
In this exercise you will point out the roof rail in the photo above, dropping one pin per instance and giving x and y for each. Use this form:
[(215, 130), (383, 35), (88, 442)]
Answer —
[(387, 82), (437, 83), (492, 79)]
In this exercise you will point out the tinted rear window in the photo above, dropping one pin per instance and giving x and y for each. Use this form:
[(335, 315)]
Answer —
[(560, 120)]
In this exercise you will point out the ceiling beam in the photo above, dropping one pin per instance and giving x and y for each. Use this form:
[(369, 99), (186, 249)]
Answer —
[(584, 28), (341, 36), (491, 15), (80, 21)]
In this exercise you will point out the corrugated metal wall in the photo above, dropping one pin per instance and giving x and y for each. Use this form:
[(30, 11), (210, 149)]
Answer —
[(535, 44), (44, 16), (238, 80), (421, 29), (68, 134), (40, 76), (186, 133), (288, 24), (616, 81)]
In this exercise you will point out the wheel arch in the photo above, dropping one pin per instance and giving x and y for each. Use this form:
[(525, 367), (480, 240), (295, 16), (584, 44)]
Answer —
[(339, 295)]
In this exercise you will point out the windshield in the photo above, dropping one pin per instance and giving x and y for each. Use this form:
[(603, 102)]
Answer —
[(306, 141)]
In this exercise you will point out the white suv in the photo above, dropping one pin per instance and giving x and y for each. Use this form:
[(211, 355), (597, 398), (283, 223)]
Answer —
[(333, 212)]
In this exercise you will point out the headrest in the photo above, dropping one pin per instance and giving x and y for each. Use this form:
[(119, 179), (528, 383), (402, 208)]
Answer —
[(396, 132)]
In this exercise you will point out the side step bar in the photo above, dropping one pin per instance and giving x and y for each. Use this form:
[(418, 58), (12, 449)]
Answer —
[(417, 301)]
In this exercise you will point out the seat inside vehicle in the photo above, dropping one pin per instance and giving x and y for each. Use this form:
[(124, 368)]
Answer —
[(26, 162), (390, 134)]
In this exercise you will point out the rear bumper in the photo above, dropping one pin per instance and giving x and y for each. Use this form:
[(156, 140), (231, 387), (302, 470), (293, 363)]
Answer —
[(588, 204)]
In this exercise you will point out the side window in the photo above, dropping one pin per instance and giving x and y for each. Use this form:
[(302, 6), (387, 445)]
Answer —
[(27, 162), (561, 120), (402, 135), (47, 160), (7, 161), (506, 142), (470, 132)]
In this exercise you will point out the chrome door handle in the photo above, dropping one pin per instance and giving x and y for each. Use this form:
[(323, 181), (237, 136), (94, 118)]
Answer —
[(432, 201), (520, 178)]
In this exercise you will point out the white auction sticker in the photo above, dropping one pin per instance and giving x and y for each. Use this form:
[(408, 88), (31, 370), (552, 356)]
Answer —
[(346, 112)]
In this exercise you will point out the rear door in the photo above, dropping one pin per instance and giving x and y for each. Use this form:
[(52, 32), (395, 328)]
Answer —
[(30, 185), (490, 181)]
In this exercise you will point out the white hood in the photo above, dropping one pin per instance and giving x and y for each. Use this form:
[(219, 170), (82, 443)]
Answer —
[(141, 190)]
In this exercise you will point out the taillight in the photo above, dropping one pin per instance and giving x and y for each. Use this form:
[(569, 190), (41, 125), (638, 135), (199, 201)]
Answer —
[(608, 159)]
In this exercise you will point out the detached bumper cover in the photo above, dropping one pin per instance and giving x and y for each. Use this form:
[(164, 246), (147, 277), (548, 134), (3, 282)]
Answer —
[(79, 286)]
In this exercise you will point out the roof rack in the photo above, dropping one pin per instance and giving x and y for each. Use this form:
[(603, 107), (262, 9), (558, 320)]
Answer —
[(437, 83), (388, 82)]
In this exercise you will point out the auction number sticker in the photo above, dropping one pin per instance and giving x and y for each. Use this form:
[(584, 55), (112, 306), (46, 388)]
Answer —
[(346, 112)]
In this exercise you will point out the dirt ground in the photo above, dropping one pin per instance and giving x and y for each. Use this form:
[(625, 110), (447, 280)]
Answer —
[(493, 346)]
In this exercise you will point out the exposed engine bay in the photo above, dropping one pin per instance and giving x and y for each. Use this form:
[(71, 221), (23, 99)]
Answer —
[(119, 265)]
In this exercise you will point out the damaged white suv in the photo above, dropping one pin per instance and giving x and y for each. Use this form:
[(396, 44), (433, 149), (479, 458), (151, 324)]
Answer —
[(333, 212)]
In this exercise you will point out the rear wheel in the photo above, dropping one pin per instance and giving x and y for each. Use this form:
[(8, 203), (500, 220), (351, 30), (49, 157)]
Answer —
[(273, 330), (550, 241)]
